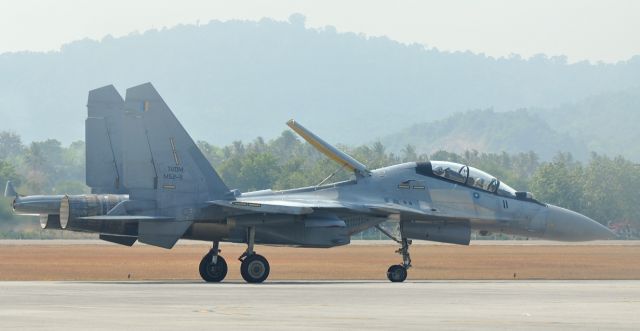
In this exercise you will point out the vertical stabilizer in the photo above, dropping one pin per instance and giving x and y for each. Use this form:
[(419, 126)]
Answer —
[(103, 130), (161, 161), (10, 191)]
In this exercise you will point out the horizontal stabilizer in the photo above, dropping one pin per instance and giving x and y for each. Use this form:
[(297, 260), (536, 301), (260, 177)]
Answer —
[(121, 240), (163, 234), (325, 148)]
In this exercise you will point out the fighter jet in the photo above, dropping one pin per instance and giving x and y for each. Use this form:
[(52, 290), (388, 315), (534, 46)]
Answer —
[(150, 183)]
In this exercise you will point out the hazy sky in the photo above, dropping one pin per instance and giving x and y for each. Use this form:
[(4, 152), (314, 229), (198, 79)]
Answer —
[(593, 30)]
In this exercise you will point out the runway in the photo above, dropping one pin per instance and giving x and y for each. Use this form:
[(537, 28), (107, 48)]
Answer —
[(54, 260), (441, 305)]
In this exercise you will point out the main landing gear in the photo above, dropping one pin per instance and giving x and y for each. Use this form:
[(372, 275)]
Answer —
[(397, 273), (254, 267), (213, 267)]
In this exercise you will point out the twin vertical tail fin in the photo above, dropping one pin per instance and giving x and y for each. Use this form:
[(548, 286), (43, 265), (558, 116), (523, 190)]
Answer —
[(103, 136), (161, 162), (137, 146), (10, 191)]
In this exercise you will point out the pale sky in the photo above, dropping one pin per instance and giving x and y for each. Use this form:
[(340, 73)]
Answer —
[(607, 31)]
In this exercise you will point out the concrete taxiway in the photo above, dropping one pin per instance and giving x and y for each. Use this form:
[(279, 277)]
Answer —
[(442, 305)]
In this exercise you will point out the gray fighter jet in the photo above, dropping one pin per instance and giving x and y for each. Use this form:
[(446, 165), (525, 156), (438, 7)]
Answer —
[(150, 183)]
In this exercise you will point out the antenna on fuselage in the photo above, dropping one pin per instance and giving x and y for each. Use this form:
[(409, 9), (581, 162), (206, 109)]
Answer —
[(330, 176)]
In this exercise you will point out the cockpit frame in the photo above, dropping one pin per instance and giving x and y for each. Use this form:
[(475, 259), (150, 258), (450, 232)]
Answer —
[(469, 177)]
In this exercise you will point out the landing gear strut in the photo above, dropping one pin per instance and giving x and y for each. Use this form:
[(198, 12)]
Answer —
[(213, 267), (398, 273), (254, 267)]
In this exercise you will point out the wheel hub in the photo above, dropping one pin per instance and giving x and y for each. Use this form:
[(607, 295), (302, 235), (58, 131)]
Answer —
[(213, 272), (214, 269), (256, 269)]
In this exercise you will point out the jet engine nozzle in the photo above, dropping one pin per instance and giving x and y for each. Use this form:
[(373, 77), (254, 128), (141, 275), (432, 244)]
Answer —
[(50, 221), (74, 207), (37, 204), (567, 225)]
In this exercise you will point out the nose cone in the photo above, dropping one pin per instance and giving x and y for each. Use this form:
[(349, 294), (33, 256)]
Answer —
[(567, 225)]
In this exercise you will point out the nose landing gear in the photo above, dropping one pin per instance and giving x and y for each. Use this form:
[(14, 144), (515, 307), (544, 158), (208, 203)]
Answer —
[(398, 273)]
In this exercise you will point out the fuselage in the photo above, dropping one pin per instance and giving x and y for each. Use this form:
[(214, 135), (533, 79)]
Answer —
[(427, 195), (415, 186)]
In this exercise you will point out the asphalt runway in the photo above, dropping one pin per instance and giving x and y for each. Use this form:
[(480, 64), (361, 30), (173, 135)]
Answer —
[(371, 305)]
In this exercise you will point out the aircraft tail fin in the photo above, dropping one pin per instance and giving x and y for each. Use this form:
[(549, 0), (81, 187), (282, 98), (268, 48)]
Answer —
[(103, 131), (10, 191), (161, 161)]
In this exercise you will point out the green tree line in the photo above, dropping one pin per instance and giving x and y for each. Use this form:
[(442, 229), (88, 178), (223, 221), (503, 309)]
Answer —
[(603, 188)]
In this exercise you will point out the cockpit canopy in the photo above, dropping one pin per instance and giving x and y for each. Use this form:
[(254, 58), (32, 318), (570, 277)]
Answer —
[(466, 175)]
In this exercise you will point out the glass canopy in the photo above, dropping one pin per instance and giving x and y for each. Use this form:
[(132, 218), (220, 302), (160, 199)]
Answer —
[(471, 177)]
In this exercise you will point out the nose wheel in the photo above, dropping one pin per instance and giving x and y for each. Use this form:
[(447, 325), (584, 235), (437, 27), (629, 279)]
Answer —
[(213, 267), (398, 273)]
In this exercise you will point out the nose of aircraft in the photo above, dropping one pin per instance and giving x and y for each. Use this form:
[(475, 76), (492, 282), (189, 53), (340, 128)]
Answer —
[(567, 225)]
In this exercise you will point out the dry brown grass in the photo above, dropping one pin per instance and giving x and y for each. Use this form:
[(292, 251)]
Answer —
[(110, 262)]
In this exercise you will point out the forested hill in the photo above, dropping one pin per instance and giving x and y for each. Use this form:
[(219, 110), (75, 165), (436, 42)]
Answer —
[(605, 124), (487, 131), (237, 80)]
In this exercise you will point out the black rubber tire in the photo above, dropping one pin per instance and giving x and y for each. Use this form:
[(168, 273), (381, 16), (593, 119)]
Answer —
[(397, 273), (213, 273), (254, 268)]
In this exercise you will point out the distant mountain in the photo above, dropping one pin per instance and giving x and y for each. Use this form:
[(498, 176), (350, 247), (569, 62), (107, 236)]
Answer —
[(237, 80), (607, 124), (487, 131)]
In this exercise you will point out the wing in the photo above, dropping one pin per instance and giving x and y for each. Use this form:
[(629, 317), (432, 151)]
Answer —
[(288, 207), (304, 207)]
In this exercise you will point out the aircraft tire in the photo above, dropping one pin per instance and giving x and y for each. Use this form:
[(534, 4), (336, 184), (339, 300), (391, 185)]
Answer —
[(397, 273), (254, 268), (213, 273)]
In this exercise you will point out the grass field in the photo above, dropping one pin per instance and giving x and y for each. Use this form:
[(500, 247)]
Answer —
[(86, 261)]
